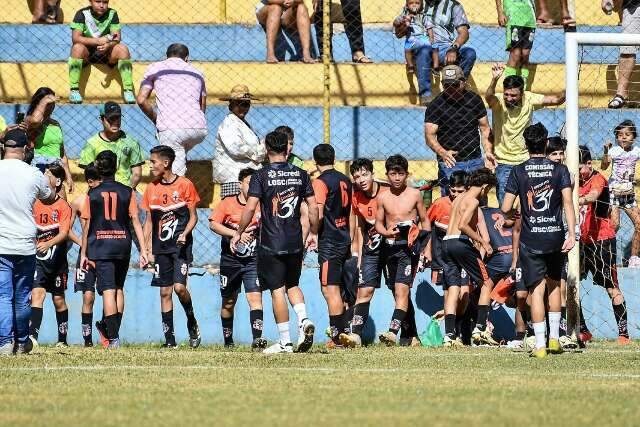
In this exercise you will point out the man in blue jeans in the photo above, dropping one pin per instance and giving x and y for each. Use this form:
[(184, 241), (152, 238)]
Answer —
[(17, 239), (457, 129)]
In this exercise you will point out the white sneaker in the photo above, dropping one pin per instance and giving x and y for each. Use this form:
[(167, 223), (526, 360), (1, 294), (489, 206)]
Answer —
[(530, 343), (634, 262), (305, 335), (515, 345), (278, 348), (567, 343)]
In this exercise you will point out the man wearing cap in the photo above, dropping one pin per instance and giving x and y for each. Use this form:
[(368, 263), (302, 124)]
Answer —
[(112, 138), (456, 128), (181, 99), (237, 144), (17, 239)]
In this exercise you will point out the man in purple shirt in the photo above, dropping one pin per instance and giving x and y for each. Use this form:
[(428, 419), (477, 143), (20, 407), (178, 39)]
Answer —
[(181, 98)]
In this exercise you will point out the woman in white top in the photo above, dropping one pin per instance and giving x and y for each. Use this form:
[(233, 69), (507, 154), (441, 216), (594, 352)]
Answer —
[(237, 144)]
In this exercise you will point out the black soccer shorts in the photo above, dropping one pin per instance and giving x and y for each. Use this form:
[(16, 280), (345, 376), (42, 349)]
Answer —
[(401, 264), (85, 278), (535, 267), (111, 274), (276, 271), (600, 259), (331, 269), (234, 274), (53, 283), (371, 269), (520, 37), (169, 270), (462, 255)]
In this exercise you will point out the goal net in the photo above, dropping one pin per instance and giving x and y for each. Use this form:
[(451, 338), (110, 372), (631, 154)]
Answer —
[(600, 75)]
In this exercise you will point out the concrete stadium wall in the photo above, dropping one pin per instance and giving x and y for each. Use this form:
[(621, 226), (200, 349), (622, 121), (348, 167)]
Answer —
[(142, 323)]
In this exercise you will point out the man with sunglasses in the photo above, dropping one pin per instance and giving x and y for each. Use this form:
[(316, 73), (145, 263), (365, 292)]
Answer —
[(113, 138), (457, 128)]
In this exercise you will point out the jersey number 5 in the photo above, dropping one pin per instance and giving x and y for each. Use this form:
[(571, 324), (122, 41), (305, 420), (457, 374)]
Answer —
[(110, 205)]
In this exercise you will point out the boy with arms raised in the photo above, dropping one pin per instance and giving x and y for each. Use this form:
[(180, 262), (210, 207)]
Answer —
[(398, 210), (240, 267), (106, 240), (544, 190), (171, 202)]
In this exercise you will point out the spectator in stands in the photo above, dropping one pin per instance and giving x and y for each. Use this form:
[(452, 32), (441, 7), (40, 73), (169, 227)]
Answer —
[(237, 144), (46, 12), (181, 97), (97, 40), (456, 127), (291, 158), (630, 25), (352, 26), (519, 19), (46, 134), (419, 54), (23, 185), (290, 14), (544, 16), (113, 138), (512, 113)]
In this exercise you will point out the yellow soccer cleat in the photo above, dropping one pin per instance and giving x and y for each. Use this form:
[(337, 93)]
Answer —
[(554, 346), (540, 353)]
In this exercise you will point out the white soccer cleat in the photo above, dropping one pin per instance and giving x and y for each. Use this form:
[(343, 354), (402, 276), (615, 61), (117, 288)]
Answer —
[(530, 343), (515, 345), (278, 348), (567, 343), (305, 335), (479, 337)]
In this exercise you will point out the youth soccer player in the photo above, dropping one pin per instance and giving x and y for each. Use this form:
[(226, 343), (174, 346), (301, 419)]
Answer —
[(85, 277), (280, 188), (240, 267), (171, 201), (466, 229), (106, 240), (53, 222), (332, 191), (598, 237), (519, 18), (544, 190), (399, 209), (97, 39)]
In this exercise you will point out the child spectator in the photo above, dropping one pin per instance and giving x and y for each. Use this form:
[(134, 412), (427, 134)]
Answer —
[(291, 158), (96, 40), (418, 45), (519, 18), (624, 158), (352, 27)]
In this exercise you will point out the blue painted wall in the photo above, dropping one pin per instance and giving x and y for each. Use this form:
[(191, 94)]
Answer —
[(142, 321)]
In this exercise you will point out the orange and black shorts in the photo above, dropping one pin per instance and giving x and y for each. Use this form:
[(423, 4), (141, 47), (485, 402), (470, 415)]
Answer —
[(462, 262)]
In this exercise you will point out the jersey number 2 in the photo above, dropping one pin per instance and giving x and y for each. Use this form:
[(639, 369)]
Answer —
[(110, 205)]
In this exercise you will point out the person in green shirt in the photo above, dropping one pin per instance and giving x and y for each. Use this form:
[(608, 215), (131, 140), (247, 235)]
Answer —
[(112, 138), (97, 40), (291, 158), (3, 124), (46, 134), (519, 18)]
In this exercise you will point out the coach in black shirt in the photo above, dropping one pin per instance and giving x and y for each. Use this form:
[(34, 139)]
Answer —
[(455, 125)]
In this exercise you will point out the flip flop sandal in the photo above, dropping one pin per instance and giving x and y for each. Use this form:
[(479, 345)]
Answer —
[(618, 101), (544, 22), (364, 59), (568, 21)]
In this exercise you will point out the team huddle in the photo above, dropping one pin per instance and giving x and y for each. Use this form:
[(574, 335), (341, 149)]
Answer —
[(363, 230)]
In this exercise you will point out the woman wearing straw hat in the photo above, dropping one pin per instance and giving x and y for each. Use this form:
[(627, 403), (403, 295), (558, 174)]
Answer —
[(237, 145)]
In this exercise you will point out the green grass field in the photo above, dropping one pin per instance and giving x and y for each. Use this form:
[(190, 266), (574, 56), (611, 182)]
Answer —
[(147, 386)]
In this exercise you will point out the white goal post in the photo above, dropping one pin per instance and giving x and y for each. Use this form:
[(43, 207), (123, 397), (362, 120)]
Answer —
[(573, 41)]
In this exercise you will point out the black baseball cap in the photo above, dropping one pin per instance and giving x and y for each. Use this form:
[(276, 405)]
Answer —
[(585, 154), (110, 109), (16, 138)]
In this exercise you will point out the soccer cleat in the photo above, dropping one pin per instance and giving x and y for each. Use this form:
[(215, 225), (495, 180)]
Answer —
[(194, 335), (259, 344), (25, 348), (305, 336), (34, 341), (88, 344), (415, 342), (75, 97), (568, 343), (129, 97), (102, 331), (278, 348), (554, 346), (327, 332), (350, 340), (515, 345), (114, 344), (331, 345), (585, 337), (169, 345), (540, 353), (479, 337), (622, 340), (634, 262), (530, 343), (452, 342), (388, 338), (61, 344)]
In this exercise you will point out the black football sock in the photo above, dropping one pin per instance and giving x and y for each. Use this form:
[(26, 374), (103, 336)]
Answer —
[(167, 327), (360, 317), (119, 319), (348, 318), (396, 321), (256, 318), (227, 330), (583, 324), (62, 318), (336, 325), (409, 328), (87, 328), (620, 312), (450, 325), (111, 323), (188, 311), (563, 320), (483, 314), (36, 321)]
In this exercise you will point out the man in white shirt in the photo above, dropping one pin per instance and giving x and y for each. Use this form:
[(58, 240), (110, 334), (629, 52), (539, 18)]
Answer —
[(24, 184), (181, 98), (237, 145)]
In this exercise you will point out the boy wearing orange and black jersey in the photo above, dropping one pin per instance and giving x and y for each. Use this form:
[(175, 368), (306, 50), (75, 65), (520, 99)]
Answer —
[(171, 202), (53, 222)]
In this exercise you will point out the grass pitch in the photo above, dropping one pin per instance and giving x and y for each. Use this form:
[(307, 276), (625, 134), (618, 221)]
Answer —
[(148, 386)]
